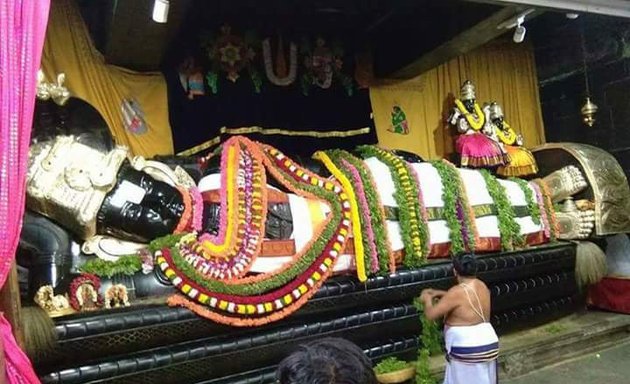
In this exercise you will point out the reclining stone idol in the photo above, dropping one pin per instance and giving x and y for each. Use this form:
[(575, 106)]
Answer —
[(252, 241)]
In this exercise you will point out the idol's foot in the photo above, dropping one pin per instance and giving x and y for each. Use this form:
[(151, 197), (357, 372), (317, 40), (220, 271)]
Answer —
[(565, 182), (576, 225)]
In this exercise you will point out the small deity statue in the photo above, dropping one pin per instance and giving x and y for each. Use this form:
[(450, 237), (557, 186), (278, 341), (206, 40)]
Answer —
[(474, 145), (84, 293), (522, 162), (116, 296), (50, 302)]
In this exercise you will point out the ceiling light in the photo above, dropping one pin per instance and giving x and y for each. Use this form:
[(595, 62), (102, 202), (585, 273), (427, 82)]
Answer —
[(514, 21), (160, 11), (519, 31)]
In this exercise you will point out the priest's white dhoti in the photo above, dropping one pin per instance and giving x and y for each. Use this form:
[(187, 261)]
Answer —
[(471, 353)]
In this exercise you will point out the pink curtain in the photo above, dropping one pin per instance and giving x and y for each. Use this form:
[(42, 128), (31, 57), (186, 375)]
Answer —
[(22, 30)]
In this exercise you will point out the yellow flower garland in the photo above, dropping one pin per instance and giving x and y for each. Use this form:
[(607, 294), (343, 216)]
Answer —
[(507, 134), (220, 249), (474, 124), (354, 212)]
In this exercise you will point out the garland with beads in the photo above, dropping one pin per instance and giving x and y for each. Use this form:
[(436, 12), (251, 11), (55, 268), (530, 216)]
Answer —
[(414, 230), (456, 212), (374, 212), (295, 283), (532, 205), (509, 229), (356, 218)]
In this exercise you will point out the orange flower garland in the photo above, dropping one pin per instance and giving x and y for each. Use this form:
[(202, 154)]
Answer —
[(290, 293)]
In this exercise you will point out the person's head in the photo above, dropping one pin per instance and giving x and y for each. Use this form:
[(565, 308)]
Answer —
[(465, 265), (326, 361)]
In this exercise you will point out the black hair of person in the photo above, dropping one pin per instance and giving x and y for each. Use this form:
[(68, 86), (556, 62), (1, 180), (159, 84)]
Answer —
[(326, 361), (465, 264)]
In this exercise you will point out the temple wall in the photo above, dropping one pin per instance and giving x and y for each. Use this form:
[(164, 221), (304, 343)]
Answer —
[(561, 80)]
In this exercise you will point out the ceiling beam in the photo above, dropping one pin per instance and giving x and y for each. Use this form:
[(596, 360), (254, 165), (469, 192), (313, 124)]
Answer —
[(618, 8), (476, 36)]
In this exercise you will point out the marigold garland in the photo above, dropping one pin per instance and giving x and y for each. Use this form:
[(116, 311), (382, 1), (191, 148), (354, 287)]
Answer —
[(376, 211), (220, 244), (507, 135), (532, 205), (256, 285), (509, 229), (294, 290), (413, 228), (185, 219), (474, 124), (369, 241), (259, 283), (354, 212), (424, 211)]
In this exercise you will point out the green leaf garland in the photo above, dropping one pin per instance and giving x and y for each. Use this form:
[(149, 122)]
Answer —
[(413, 228), (467, 211), (430, 344), (509, 229), (532, 205), (390, 364), (450, 198), (124, 265)]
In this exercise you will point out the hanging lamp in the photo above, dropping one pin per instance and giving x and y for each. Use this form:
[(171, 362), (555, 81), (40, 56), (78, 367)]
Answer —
[(589, 109)]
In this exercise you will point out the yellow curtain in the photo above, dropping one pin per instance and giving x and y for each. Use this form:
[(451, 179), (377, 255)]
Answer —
[(502, 71), (69, 49)]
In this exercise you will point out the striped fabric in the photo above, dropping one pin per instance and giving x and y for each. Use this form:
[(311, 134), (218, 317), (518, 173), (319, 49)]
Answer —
[(471, 355)]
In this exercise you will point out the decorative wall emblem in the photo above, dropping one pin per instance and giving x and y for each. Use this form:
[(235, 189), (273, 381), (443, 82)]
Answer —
[(400, 124), (231, 53), (279, 75), (323, 63), (133, 117)]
